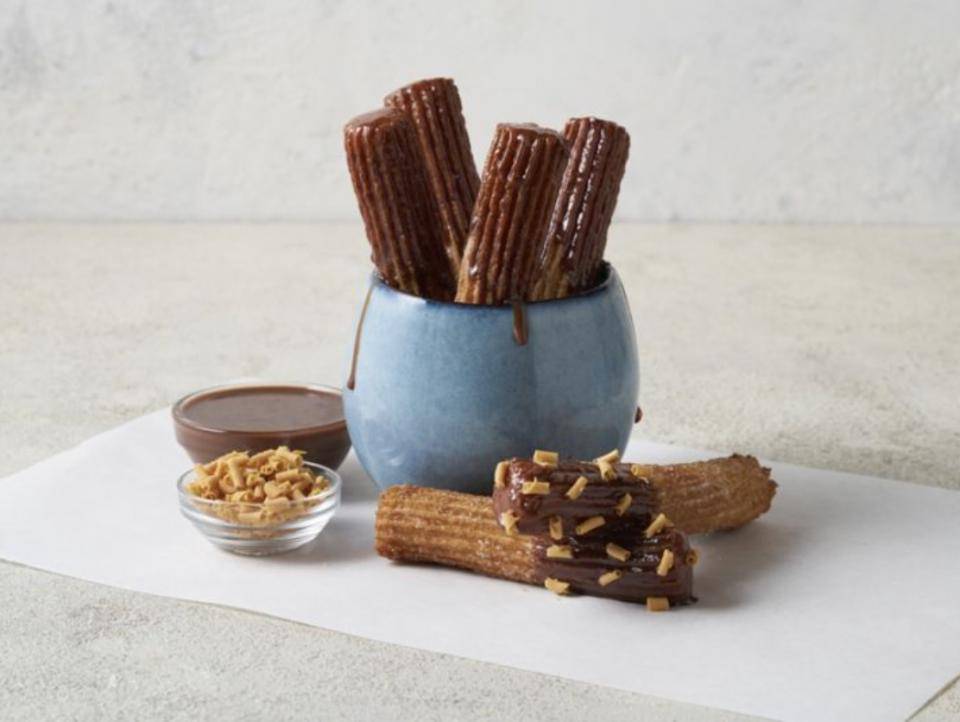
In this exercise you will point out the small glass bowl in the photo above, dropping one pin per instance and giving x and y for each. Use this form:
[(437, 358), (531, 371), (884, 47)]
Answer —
[(216, 519)]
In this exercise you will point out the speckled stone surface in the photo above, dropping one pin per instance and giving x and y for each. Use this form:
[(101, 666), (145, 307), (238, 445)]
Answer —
[(824, 346)]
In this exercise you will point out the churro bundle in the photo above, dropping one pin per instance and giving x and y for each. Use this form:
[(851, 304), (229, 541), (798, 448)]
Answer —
[(545, 495), (398, 210), (510, 217), (416, 524), (576, 238), (436, 112)]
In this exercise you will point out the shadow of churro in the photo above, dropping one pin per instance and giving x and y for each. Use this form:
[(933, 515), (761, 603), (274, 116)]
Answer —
[(344, 540), (731, 561)]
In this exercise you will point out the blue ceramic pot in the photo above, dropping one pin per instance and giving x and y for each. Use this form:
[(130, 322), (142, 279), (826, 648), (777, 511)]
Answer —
[(443, 391)]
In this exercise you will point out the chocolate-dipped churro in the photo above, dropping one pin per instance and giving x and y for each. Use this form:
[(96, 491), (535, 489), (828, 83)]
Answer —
[(576, 238), (698, 497), (517, 193), (398, 210), (416, 524), (434, 107)]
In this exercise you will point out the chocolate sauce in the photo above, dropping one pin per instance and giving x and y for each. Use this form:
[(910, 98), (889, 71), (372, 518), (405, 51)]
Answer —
[(263, 409), (352, 379), (251, 418), (637, 416), (519, 323)]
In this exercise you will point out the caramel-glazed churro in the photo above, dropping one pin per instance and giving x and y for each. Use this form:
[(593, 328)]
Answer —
[(417, 524), (510, 217), (436, 112), (577, 235), (398, 210)]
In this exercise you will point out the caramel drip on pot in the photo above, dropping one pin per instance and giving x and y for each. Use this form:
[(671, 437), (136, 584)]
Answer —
[(352, 379), (519, 323)]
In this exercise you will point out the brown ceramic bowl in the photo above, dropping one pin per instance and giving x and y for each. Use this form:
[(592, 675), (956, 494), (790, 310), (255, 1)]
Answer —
[(257, 416)]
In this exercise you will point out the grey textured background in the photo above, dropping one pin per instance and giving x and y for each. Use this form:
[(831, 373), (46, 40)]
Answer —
[(823, 346), (755, 110)]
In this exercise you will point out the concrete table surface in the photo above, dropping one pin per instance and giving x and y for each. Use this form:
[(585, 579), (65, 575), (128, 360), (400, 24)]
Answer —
[(823, 346)]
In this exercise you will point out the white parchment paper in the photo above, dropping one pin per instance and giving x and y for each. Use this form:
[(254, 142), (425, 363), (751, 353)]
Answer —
[(843, 603)]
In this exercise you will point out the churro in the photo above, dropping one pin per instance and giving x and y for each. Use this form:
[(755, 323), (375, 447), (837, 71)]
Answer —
[(399, 213), (435, 109), (576, 237), (416, 524), (510, 217)]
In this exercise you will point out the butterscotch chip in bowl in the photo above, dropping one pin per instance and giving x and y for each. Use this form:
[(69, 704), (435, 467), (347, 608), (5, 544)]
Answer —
[(258, 504)]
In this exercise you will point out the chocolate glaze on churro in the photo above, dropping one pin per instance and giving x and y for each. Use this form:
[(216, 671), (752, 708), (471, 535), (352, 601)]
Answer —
[(517, 193), (434, 107), (576, 238), (638, 577), (598, 497), (398, 210)]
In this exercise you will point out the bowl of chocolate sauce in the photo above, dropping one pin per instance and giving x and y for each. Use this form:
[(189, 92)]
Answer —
[(257, 416), (437, 393)]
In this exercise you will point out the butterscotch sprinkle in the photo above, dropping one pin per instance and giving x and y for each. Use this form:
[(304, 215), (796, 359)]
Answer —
[(609, 578), (555, 551), (556, 528), (624, 504), (607, 472), (546, 458), (666, 563), (615, 551), (611, 457), (588, 525), (508, 520), (576, 489), (535, 487), (658, 604), (657, 525), (556, 586), (693, 556), (500, 475)]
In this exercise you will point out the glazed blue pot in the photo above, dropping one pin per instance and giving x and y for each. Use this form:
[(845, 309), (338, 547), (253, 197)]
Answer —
[(443, 391)]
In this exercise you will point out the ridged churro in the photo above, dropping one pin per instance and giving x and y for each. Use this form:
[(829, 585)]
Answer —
[(573, 248), (517, 193), (398, 210), (435, 109), (417, 524), (715, 495)]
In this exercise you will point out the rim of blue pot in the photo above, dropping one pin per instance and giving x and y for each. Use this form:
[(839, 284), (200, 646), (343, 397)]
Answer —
[(607, 269)]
